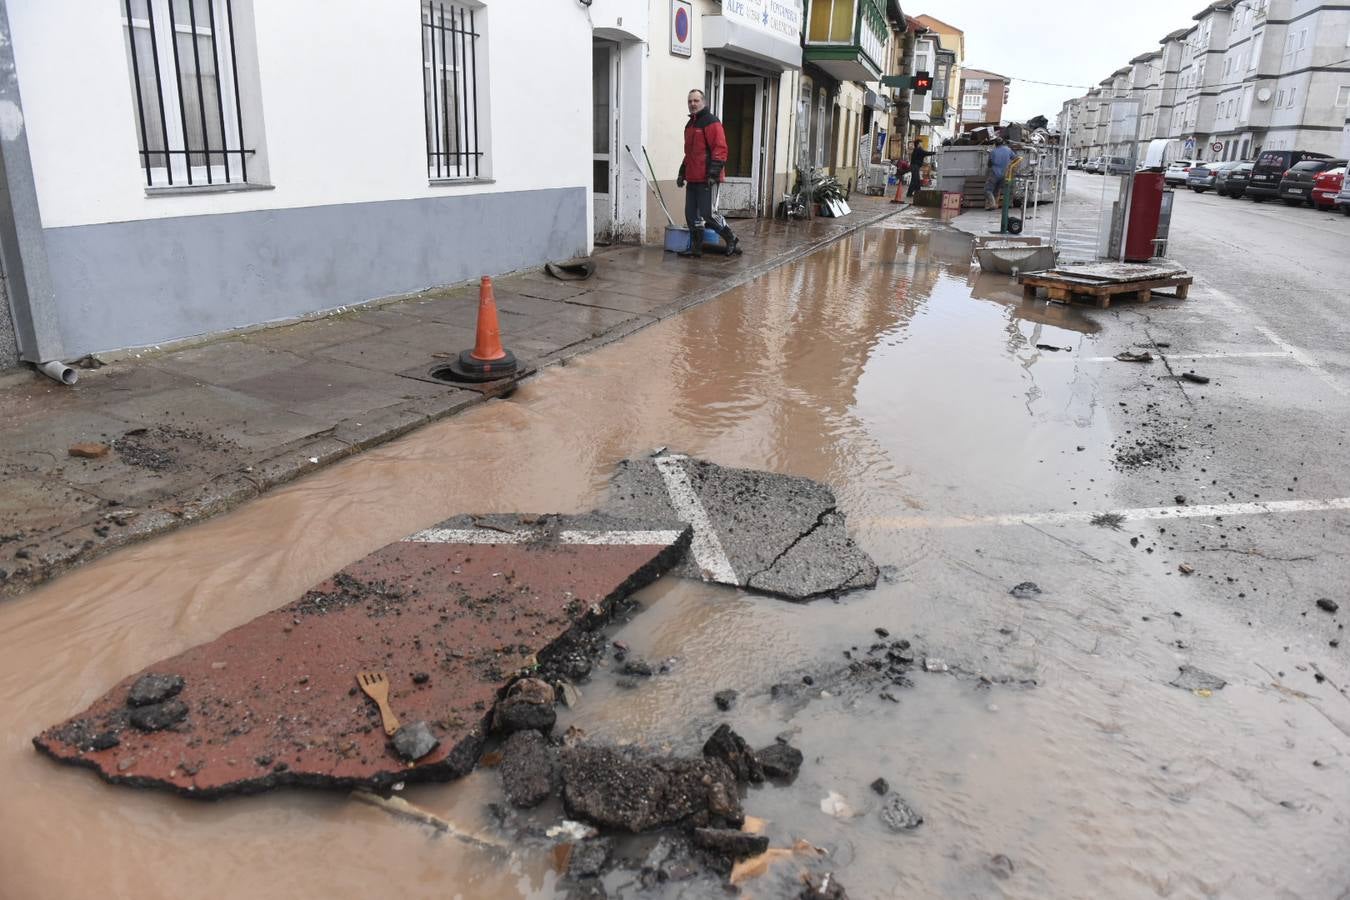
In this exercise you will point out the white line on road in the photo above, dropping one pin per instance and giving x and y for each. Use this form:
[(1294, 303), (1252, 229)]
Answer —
[(1258, 354), (708, 553), (1305, 360), (493, 536), (1147, 512)]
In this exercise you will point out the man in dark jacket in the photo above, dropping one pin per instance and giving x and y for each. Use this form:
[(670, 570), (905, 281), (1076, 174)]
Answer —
[(916, 158), (705, 155)]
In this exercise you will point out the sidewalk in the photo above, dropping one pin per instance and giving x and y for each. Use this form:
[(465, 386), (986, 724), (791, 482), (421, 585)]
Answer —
[(181, 435)]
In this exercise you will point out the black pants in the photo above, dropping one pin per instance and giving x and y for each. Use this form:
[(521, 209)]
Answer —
[(698, 209), (914, 178)]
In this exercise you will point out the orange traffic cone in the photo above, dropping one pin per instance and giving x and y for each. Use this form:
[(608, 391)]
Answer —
[(899, 191), (488, 360)]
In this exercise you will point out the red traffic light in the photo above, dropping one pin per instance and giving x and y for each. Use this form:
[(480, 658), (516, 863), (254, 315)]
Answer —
[(923, 82)]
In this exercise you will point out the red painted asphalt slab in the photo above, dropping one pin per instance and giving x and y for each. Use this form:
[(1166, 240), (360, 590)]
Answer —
[(275, 701)]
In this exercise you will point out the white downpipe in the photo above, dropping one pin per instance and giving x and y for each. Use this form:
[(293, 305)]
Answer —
[(58, 371)]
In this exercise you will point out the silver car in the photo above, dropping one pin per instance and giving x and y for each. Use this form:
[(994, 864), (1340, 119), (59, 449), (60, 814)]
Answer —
[(1343, 198)]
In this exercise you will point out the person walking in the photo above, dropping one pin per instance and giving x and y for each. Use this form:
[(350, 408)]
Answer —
[(999, 158), (705, 156), (916, 157)]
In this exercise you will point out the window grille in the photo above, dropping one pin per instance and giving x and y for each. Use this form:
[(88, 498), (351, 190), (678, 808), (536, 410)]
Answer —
[(450, 90), (183, 72)]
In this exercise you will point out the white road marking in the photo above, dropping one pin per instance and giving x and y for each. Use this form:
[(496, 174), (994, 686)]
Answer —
[(1256, 354), (1303, 358), (1141, 513), (707, 548), (492, 536)]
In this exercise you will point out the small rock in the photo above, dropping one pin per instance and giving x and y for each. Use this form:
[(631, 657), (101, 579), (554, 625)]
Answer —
[(528, 770), (725, 700), (780, 760), (151, 688), (638, 667), (1001, 866), (125, 763), (731, 748), (835, 805), (882, 632), (88, 451), (1180, 499), (1026, 590), (415, 741), (1185, 569), (159, 716), (881, 786), (1198, 379), (1193, 679), (1327, 604), (729, 842), (932, 664), (528, 704), (103, 741), (576, 831), (898, 815), (420, 678), (588, 857), (1141, 356)]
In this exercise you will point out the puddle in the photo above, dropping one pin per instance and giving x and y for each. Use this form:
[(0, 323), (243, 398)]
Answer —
[(885, 367)]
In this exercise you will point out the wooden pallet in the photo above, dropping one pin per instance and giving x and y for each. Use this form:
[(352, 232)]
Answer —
[(1063, 286)]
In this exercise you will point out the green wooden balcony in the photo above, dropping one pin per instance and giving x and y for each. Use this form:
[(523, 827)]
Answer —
[(847, 38)]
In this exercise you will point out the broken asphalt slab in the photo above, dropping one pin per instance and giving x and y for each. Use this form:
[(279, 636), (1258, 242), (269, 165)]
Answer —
[(777, 534), (450, 615)]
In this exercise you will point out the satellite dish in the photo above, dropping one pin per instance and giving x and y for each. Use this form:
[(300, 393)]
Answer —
[(1263, 94)]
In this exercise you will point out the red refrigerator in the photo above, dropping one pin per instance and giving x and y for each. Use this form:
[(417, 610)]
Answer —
[(1145, 217)]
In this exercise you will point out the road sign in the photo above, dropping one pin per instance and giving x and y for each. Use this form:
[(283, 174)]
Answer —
[(1217, 146), (1189, 146)]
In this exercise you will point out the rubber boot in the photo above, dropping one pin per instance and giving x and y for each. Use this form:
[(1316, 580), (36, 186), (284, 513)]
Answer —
[(729, 238), (695, 242), (989, 202)]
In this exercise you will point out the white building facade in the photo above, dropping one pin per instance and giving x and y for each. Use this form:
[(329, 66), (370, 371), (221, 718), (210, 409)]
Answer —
[(213, 164)]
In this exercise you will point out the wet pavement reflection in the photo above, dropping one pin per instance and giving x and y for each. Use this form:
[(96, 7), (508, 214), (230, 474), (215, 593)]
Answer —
[(886, 366)]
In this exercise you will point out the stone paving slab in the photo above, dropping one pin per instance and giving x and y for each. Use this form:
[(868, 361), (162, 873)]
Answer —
[(449, 615), (285, 400)]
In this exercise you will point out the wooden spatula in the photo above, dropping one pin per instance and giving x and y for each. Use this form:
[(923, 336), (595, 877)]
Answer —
[(376, 687)]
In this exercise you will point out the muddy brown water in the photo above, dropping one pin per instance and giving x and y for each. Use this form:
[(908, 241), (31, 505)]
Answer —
[(883, 366)]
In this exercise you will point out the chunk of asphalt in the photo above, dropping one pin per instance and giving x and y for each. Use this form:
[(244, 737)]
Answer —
[(1192, 679), (780, 760), (772, 533), (154, 688), (897, 815), (731, 748), (625, 790), (528, 770), (1026, 590), (726, 699), (588, 858), (473, 603), (528, 705), (730, 842)]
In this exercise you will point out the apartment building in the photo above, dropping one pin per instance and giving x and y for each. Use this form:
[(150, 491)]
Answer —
[(983, 95)]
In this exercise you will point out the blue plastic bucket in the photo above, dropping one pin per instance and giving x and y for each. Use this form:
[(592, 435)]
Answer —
[(677, 239)]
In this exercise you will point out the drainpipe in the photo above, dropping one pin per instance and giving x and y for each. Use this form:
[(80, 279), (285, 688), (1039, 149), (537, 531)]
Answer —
[(23, 247)]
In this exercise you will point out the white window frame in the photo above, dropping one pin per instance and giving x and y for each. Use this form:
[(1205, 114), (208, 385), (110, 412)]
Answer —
[(1343, 96), (177, 171)]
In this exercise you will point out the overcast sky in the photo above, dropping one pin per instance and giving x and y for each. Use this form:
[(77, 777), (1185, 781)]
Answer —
[(1077, 43)]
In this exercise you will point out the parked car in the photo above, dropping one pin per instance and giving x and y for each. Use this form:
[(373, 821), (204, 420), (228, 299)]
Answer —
[(1296, 186), (1326, 185), (1270, 168), (1343, 198), (1233, 182), (1179, 171), (1204, 176), (1117, 165), (1093, 165), (1075, 162)]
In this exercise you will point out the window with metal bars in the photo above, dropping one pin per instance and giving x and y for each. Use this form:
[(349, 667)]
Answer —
[(190, 126), (450, 88)]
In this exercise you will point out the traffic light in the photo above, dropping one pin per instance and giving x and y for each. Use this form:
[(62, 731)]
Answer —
[(922, 83)]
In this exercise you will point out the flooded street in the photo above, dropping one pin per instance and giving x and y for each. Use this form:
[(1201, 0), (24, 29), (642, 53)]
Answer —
[(968, 461)]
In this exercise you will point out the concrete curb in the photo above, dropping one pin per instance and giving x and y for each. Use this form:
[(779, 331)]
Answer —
[(121, 526)]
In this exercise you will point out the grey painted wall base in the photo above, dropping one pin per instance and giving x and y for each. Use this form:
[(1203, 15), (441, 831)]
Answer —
[(129, 284)]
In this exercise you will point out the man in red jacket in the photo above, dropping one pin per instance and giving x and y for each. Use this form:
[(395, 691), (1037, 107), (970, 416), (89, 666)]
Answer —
[(705, 155)]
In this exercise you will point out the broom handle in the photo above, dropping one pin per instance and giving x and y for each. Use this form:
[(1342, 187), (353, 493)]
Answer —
[(655, 190), (656, 186)]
